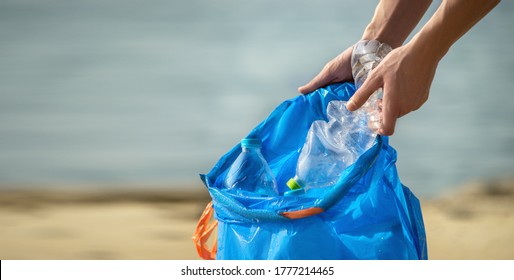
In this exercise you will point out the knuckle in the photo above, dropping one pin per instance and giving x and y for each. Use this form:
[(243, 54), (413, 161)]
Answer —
[(387, 131)]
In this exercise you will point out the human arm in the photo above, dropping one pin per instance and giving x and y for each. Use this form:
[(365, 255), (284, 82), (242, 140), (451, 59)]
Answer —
[(392, 22), (407, 72)]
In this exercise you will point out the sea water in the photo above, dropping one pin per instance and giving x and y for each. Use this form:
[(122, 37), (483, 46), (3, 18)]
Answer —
[(125, 92)]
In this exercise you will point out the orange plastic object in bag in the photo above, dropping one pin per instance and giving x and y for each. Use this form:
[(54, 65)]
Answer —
[(203, 233)]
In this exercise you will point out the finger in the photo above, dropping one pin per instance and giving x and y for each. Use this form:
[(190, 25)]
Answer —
[(321, 80), (363, 93), (389, 117)]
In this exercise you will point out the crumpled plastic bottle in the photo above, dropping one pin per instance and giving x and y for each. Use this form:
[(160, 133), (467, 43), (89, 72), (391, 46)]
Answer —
[(250, 174), (332, 146), (366, 55)]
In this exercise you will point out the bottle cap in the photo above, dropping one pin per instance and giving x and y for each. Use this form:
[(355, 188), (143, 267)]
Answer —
[(251, 143), (293, 185)]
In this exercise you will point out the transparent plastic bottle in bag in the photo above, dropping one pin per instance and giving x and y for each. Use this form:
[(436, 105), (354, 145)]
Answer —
[(250, 172), (330, 147)]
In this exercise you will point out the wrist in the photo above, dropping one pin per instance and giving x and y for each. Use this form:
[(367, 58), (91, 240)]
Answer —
[(394, 20), (374, 32), (427, 45)]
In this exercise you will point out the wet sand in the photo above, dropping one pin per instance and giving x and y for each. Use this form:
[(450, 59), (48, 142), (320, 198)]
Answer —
[(475, 222)]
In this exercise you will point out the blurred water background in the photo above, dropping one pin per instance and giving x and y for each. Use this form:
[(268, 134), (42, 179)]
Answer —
[(151, 93)]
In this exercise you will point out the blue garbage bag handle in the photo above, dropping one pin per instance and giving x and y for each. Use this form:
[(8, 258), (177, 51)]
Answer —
[(346, 181), (329, 198)]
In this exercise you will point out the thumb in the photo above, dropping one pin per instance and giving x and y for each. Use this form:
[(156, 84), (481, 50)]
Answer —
[(363, 93), (321, 80)]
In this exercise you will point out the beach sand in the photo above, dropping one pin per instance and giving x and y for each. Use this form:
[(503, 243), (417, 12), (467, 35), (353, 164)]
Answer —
[(475, 222)]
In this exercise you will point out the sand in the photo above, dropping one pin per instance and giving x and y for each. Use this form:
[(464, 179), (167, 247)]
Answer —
[(476, 222)]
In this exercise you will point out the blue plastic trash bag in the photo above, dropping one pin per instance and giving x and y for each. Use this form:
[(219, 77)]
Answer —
[(367, 214)]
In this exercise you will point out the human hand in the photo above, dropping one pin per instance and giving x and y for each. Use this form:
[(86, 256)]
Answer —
[(405, 75), (338, 69)]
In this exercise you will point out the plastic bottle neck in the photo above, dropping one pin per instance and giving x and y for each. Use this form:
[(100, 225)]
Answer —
[(251, 149)]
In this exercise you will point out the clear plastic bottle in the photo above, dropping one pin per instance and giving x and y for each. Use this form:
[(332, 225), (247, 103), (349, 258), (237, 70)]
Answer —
[(250, 172), (332, 146), (366, 55)]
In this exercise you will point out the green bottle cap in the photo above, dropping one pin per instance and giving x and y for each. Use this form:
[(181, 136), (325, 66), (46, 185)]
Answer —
[(293, 185)]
